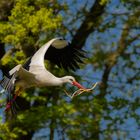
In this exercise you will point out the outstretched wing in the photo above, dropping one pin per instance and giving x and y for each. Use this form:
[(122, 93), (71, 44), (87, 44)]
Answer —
[(67, 57), (37, 60), (59, 52)]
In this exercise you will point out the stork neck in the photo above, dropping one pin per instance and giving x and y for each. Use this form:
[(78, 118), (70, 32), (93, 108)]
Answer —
[(61, 80), (65, 79), (56, 81)]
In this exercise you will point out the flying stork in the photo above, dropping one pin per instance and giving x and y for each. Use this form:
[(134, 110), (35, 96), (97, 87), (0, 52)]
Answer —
[(34, 74)]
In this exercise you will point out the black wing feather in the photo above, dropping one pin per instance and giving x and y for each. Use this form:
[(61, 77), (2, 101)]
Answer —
[(67, 57), (26, 65)]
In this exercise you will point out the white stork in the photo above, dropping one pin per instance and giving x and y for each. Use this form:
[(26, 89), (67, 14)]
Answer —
[(34, 74)]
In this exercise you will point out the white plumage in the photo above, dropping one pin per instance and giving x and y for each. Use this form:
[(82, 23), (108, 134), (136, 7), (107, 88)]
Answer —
[(34, 74)]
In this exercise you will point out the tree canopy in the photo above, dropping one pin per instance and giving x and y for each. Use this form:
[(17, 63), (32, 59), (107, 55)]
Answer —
[(109, 31)]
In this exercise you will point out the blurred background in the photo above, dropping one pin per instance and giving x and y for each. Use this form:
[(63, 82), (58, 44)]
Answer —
[(109, 31)]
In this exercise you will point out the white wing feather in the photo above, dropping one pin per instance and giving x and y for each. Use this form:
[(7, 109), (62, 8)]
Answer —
[(21, 72), (37, 61), (16, 68)]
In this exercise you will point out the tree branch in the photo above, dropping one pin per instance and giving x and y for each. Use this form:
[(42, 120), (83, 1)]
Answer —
[(91, 22), (113, 57), (2, 50)]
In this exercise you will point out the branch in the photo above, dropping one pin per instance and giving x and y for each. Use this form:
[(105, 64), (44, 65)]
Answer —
[(91, 22), (112, 60), (118, 13), (5, 9), (113, 57), (135, 77), (2, 50)]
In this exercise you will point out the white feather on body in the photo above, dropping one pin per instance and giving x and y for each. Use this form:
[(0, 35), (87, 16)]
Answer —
[(38, 75)]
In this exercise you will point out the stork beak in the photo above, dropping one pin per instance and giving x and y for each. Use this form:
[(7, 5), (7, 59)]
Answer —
[(78, 85)]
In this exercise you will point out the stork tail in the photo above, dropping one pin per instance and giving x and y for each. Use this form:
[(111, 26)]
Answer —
[(8, 85)]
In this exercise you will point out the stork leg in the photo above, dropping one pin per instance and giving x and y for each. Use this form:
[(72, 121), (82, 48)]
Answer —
[(10, 103)]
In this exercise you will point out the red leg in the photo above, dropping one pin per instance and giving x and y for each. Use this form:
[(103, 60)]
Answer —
[(9, 104)]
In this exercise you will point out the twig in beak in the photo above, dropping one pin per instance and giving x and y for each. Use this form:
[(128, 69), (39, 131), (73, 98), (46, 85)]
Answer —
[(67, 93), (80, 91)]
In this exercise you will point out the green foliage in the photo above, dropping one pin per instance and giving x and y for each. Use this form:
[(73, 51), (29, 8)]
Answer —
[(114, 54), (28, 24), (25, 19), (5, 133), (17, 58), (102, 2)]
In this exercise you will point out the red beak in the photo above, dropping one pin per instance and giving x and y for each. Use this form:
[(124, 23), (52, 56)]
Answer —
[(78, 85)]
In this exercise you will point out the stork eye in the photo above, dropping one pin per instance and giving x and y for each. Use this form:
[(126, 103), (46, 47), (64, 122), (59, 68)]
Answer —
[(71, 80)]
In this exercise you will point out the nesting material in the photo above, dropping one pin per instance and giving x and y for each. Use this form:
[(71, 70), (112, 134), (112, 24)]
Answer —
[(81, 91)]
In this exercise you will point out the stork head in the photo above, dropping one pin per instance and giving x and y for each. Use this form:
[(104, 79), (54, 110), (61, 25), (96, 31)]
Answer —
[(71, 80)]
